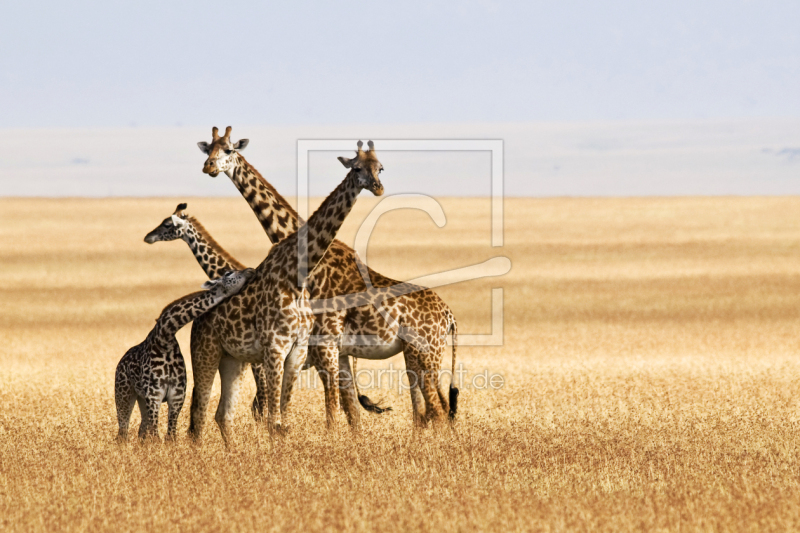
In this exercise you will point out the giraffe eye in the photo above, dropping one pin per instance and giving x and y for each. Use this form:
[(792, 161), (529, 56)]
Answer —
[(380, 170), (229, 152)]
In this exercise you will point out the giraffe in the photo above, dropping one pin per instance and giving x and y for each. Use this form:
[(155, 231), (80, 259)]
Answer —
[(214, 260), (270, 319), (393, 323), (153, 371)]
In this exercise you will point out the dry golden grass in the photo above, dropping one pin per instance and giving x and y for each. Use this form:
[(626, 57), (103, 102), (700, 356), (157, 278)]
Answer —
[(650, 356)]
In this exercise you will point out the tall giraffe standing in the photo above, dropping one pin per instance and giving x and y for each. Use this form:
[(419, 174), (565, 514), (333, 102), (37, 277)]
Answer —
[(415, 323), (270, 319), (153, 371), (215, 261)]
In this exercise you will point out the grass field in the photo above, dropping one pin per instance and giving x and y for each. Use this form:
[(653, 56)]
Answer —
[(650, 360)]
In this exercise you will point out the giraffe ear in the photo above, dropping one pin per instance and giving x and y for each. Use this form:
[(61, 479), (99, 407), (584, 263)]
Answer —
[(348, 163), (204, 147), (176, 220), (242, 144), (208, 285)]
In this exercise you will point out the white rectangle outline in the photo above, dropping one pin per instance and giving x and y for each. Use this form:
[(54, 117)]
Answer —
[(495, 146)]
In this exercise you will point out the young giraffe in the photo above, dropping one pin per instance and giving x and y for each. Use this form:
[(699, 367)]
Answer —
[(416, 324), (270, 319), (153, 371), (214, 260)]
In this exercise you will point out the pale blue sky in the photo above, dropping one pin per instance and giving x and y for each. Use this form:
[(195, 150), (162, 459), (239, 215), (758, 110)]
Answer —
[(199, 63)]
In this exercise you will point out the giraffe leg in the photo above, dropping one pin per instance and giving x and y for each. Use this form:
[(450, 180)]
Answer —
[(347, 390), (206, 356), (143, 425), (326, 357), (125, 398), (260, 399), (231, 372), (418, 406), (291, 370), (273, 363), (175, 402), (427, 379), (153, 406), (175, 398)]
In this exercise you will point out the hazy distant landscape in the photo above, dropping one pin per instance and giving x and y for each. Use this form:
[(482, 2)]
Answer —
[(624, 158)]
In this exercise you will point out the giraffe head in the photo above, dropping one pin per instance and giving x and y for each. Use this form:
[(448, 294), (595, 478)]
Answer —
[(173, 227), (229, 283), (222, 153), (366, 167)]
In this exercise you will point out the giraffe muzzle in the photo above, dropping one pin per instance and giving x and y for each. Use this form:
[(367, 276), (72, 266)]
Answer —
[(376, 188)]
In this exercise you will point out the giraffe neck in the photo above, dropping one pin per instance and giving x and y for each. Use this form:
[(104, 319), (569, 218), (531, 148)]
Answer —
[(323, 225), (181, 312), (277, 217), (212, 257)]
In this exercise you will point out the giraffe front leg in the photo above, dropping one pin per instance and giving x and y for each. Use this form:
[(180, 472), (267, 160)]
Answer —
[(175, 403), (153, 405), (231, 372), (291, 369), (175, 398), (260, 399), (325, 359), (143, 413), (206, 356), (348, 393), (273, 365)]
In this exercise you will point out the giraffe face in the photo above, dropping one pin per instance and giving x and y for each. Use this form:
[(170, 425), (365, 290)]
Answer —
[(367, 168), (222, 153), (230, 283), (171, 228)]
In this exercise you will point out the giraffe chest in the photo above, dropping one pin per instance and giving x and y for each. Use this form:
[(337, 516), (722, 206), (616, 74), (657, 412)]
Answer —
[(245, 330)]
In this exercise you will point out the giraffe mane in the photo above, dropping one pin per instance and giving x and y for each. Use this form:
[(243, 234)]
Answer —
[(291, 210), (180, 300), (214, 244)]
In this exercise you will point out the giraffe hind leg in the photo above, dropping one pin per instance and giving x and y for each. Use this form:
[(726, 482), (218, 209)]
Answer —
[(125, 398)]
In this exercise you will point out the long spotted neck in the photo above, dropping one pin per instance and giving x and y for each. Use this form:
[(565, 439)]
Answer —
[(277, 217), (323, 225), (181, 312), (212, 257)]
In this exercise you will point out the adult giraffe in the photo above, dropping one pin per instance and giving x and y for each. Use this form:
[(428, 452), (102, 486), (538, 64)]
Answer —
[(416, 323), (269, 320)]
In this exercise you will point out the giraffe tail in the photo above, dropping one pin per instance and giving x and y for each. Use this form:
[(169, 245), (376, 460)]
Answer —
[(453, 389), (365, 402)]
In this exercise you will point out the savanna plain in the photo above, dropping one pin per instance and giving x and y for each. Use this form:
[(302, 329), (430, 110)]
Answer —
[(650, 357)]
